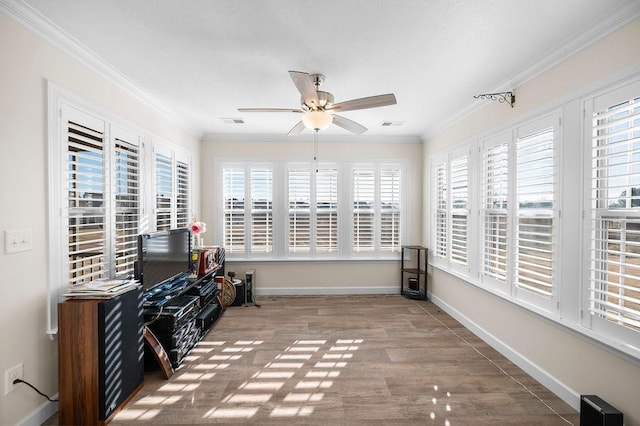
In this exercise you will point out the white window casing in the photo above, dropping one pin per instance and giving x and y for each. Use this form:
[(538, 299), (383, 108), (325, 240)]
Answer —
[(536, 205), (612, 220), (326, 210), (494, 211), (100, 172)]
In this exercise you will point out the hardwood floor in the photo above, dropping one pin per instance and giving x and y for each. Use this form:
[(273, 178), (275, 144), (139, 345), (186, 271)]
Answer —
[(344, 360)]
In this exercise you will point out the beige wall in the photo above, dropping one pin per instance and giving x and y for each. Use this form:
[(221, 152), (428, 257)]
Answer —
[(318, 277), (572, 361), (28, 62)]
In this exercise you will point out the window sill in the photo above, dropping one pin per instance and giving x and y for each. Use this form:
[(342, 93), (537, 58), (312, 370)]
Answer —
[(313, 260)]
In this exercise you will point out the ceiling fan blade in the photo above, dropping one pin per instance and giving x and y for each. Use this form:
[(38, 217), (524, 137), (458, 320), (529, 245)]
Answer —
[(349, 125), (363, 103), (297, 129), (304, 84), (270, 110)]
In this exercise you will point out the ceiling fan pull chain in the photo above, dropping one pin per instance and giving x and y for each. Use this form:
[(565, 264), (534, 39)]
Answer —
[(315, 149)]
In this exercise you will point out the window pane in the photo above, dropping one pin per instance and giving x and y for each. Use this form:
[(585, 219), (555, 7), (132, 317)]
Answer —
[(261, 210), (535, 192), (127, 191), (164, 192), (459, 200), (363, 210), (182, 197), (615, 219), (495, 246), (327, 210), (86, 202), (299, 183), (441, 193), (494, 204), (233, 195), (390, 205)]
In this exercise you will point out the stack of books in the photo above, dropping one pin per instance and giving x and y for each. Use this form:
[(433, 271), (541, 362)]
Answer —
[(100, 289)]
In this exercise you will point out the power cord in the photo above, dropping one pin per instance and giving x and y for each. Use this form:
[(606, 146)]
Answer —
[(16, 381)]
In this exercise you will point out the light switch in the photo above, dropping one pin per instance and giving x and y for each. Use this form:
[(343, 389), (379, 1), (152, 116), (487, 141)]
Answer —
[(17, 241)]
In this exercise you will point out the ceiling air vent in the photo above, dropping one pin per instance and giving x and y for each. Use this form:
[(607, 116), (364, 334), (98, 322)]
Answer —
[(232, 120), (392, 123)]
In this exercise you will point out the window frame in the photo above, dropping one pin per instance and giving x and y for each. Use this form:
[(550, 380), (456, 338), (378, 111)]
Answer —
[(59, 102), (594, 213), (489, 187), (343, 195), (178, 162)]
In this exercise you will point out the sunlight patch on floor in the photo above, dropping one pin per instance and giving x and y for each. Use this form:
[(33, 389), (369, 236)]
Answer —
[(138, 414)]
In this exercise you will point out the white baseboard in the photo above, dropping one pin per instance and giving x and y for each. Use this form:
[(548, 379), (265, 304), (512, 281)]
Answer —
[(324, 291), (41, 414), (565, 393)]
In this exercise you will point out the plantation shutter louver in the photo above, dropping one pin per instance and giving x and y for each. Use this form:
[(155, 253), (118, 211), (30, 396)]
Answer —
[(327, 210), (363, 209), (86, 174), (459, 177), (234, 204), (535, 193), (614, 221), (261, 210), (164, 191), (390, 205), (299, 182), (494, 181), (441, 194), (182, 195), (127, 205)]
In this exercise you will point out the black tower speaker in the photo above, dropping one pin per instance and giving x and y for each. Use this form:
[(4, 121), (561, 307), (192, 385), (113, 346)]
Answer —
[(121, 350), (240, 296), (594, 411)]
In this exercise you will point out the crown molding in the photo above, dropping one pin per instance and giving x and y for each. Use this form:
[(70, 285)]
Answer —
[(34, 21), (580, 42), (239, 137)]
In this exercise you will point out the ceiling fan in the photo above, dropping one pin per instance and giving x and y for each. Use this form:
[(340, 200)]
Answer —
[(318, 106)]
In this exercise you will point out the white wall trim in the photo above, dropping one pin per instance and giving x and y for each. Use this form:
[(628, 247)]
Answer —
[(31, 19), (324, 291), (563, 391), (308, 138), (41, 414)]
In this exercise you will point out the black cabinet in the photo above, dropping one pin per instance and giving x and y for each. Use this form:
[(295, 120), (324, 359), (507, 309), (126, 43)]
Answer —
[(179, 313), (413, 272)]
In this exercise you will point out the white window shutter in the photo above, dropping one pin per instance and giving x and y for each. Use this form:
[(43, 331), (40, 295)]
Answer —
[(326, 209), (614, 219), (494, 181), (183, 199), (261, 209), (233, 188), (390, 208), (535, 203), (126, 186), (363, 209), (86, 176), (164, 191), (459, 209), (299, 201)]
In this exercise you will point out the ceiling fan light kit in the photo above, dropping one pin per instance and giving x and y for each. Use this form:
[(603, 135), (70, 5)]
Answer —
[(317, 106), (317, 120)]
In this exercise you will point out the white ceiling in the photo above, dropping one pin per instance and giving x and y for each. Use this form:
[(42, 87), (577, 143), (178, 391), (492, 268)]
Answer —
[(203, 59)]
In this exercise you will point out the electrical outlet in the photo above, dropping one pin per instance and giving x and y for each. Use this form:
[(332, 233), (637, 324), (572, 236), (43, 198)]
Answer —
[(10, 375)]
